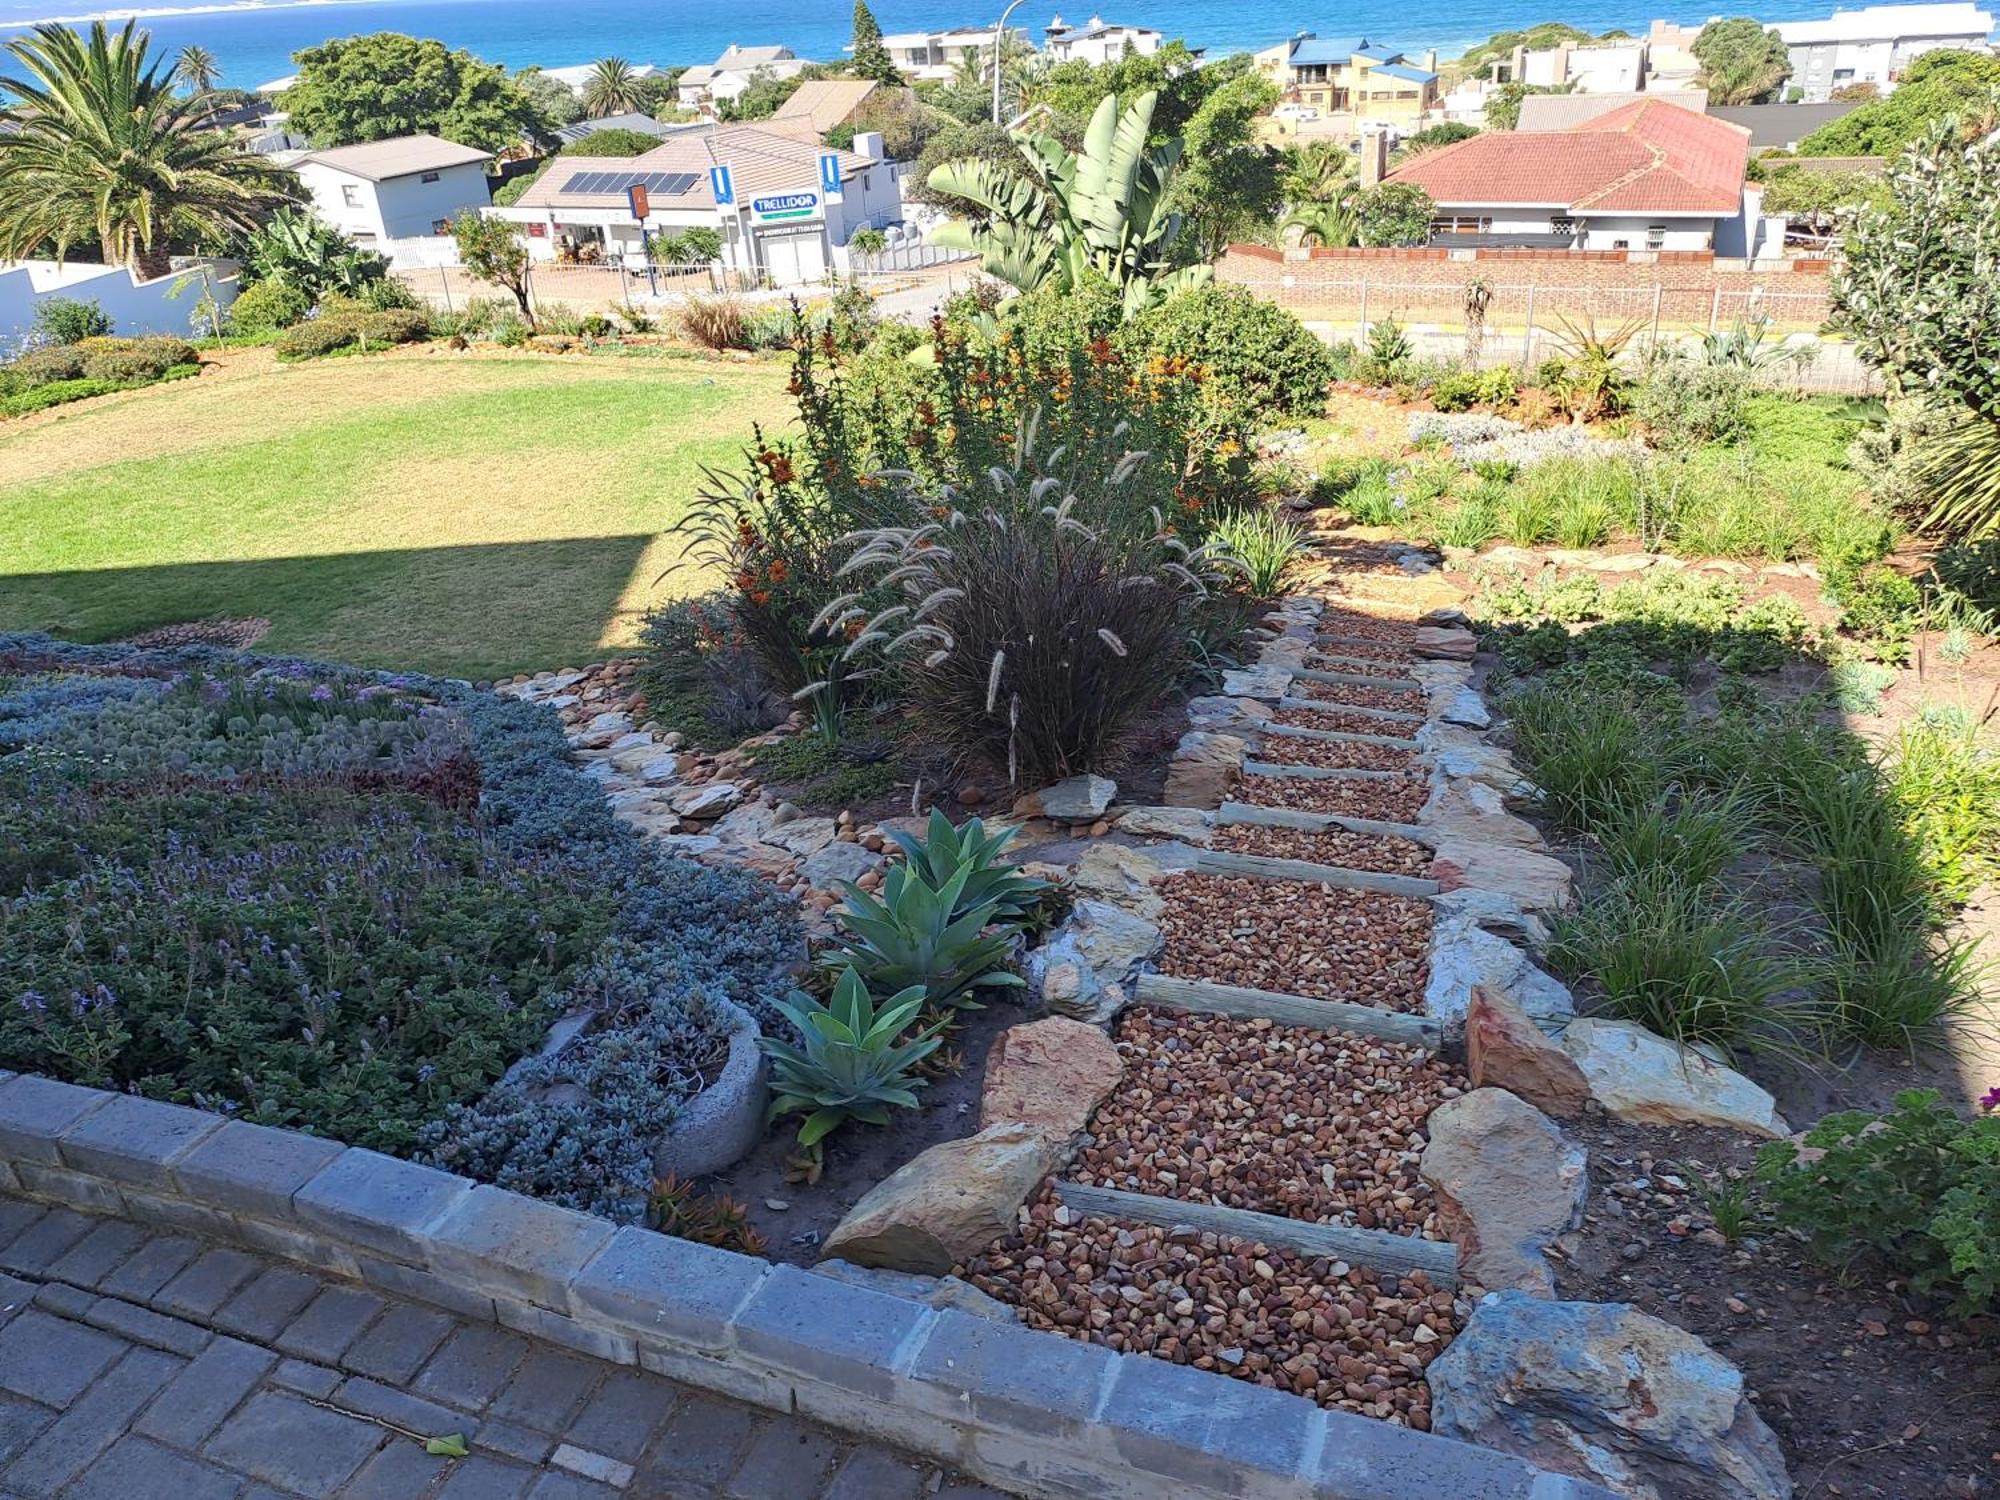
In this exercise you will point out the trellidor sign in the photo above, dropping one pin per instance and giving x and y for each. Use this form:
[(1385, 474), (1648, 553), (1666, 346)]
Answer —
[(776, 207)]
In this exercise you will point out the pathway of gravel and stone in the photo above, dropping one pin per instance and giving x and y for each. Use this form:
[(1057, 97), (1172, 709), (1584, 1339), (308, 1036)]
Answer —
[(140, 1365)]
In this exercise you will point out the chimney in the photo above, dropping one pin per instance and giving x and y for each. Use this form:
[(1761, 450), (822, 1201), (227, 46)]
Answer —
[(1430, 59), (1374, 157), (868, 143)]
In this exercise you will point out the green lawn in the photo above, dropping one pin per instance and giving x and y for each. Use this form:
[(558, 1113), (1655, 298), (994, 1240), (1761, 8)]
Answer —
[(459, 515)]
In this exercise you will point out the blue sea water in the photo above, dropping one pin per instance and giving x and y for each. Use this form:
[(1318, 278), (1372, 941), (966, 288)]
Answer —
[(255, 42)]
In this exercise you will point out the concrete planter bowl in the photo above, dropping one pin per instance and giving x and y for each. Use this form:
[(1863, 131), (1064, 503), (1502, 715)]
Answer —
[(721, 1123)]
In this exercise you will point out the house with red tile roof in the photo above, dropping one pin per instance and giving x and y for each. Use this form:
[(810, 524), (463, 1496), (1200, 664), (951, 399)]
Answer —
[(1648, 175)]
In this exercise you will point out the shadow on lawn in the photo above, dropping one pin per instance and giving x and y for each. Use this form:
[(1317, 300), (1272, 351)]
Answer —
[(482, 610)]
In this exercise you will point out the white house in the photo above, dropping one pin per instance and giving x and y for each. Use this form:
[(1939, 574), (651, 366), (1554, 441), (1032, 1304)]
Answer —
[(922, 56), (782, 227), (704, 84), (1648, 176), (1097, 41), (383, 192), (1876, 43)]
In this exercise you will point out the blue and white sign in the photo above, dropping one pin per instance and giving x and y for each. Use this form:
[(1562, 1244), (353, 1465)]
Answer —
[(829, 176), (723, 183), (776, 207)]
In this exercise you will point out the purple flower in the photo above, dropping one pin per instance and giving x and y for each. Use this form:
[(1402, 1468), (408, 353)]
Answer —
[(1990, 1099), (322, 694)]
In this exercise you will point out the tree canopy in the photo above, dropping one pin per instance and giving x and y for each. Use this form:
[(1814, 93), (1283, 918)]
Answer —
[(1820, 199), (1393, 213), (98, 148), (554, 98), (1173, 75), (1936, 85), (1742, 60), (377, 87), (1230, 183), (870, 58)]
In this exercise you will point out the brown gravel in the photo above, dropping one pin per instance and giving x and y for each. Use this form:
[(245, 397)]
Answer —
[(1339, 644), (1333, 755), (1339, 1335), (1396, 801), (1340, 721), (1361, 695), (1382, 853), (1297, 938), (1337, 622), (1336, 661), (1317, 1125)]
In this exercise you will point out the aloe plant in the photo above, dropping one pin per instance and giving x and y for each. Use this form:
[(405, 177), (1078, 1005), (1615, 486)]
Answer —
[(943, 851), (851, 1061), (1069, 213), (922, 935)]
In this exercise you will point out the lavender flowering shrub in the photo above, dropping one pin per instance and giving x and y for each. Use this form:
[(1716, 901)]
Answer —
[(241, 882)]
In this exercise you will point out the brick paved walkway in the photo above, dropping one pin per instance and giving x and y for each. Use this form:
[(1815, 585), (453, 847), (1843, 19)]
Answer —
[(137, 1365)]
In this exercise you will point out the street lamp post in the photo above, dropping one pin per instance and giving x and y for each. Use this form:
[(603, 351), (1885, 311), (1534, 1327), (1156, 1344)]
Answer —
[(999, 35)]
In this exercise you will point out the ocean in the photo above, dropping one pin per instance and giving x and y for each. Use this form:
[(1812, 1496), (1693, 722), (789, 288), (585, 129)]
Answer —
[(254, 42)]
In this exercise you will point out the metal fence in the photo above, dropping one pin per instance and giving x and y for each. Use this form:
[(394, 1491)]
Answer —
[(913, 255)]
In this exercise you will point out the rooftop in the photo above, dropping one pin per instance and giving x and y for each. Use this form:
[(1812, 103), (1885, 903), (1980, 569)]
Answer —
[(644, 124), (1782, 124), (1567, 111), (822, 103), (761, 161), (1648, 156), (1878, 23), (378, 161)]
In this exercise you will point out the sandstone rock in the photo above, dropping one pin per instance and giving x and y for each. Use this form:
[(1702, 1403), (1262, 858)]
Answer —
[(1204, 769), (1465, 955), (1603, 1392), (1624, 562), (1473, 812), (1507, 1185), (1505, 1049), (1189, 824), (1078, 798), (1084, 968), (709, 800), (1287, 653), (837, 862), (1540, 882), (801, 836), (746, 825), (1269, 683), (694, 844), (946, 1205), (603, 729), (1050, 1075), (1648, 1080), (1464, 706), (1219, 712), (1124, 876), (1442, 643), (636, 740)]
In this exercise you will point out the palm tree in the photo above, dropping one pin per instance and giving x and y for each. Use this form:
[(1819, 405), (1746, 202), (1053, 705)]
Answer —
[(1064, 215), (96, 145), (1316, 171), (612, 89), (196, 69), (1331, 224)]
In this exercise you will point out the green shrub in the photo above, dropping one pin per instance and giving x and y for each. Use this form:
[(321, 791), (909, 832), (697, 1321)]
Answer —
[(1877, 603), (1967, 578), (1685, 405), (1257, 354), (1948, 785), (1693, 838), (266, 307), (323, 335), (393, 325), (851, 1060), (54, 393), (71, 320), (136, 360), (41, 366), (1266, 545), (1918, 1188)]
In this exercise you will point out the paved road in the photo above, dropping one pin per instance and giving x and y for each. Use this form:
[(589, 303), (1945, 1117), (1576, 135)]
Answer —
[(137, 1365)]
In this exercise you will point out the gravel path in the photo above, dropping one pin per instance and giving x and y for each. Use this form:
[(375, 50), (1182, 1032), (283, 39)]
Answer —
[(1333, 755), (1383, 854), (1362, 695), (1396, 801), (1342, 722)]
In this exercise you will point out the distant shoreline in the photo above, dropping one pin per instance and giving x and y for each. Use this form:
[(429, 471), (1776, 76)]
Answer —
[(84, 18)]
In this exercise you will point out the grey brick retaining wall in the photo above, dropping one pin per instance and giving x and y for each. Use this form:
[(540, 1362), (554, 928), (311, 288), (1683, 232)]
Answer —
[(1020, 1409)]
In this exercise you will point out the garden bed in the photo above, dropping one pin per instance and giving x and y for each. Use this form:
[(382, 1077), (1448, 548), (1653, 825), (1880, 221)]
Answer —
[(1313, 1125), (1334, 1333), (1382, 854), (1385, 800), (1287, 936)]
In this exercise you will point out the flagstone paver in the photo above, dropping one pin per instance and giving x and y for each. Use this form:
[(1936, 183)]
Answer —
[(285, 1386)]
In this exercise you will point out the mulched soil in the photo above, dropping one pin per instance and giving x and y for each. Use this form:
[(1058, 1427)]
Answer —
[(1333, 661), (1317, 1125), (1874, 1395), (1358, 946), (1397, 801), (1337, 1334), (1382, 854), (1342, 722), (1333, 755), (1360, 695)]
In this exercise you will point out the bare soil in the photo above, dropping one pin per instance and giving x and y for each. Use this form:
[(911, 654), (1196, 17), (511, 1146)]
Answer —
[(1873, 1394)]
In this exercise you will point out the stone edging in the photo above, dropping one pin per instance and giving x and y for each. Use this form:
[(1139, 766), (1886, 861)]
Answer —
[(1042, 1416)]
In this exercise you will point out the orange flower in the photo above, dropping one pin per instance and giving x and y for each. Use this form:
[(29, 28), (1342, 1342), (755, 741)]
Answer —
[(854, 630), (760, 598), (1100, 351), (745, 581), (1229, 447), (778, 572)]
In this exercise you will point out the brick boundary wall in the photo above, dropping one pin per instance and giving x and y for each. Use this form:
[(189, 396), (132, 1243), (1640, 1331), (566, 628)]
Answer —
[(1694, 287), (1028, 1411)]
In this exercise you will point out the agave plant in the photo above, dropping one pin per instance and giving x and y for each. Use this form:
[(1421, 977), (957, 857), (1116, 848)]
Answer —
[(851, 1061), (1065, 213), (915, 934), (943, 852)]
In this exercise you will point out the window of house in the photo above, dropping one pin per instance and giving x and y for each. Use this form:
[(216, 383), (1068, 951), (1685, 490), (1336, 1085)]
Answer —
[(440, 226), (428, 177), (1461, 224), (1656, 236), (350, 195), (1621, 244)]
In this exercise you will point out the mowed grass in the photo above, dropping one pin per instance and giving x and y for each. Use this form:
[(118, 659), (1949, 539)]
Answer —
[(464, 516)]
